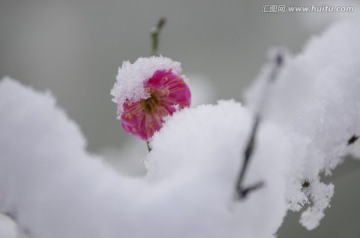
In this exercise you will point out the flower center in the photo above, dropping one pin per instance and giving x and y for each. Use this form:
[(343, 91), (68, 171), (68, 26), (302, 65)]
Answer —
[(150, 104)]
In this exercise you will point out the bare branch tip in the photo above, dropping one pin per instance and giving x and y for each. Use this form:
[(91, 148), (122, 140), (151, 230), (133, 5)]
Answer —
[(161, 23)]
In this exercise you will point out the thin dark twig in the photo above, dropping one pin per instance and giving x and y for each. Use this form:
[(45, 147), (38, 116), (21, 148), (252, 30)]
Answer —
[(241, 190), (148, 146), (155, 33), (245, 191)]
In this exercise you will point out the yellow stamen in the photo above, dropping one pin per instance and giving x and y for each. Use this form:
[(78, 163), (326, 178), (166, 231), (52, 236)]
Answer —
[(128, 115)]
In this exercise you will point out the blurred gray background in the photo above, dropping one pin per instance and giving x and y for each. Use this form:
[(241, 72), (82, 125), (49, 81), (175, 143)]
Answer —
[(74, 48)]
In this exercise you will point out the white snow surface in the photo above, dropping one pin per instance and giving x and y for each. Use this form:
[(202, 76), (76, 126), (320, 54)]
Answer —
[(316, 100), (131, 77), (7, 227), (56, 189)]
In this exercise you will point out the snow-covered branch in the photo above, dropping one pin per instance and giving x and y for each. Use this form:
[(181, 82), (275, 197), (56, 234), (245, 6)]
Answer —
[(57, 189), (316, 102)]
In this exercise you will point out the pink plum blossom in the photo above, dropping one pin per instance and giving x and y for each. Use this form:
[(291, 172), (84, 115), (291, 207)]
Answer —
[(167, 92)]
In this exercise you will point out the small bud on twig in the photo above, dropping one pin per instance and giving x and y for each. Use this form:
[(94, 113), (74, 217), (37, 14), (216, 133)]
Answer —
[(353, 139)]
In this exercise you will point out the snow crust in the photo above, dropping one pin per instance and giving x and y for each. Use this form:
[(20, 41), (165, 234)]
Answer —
[(56, 189)]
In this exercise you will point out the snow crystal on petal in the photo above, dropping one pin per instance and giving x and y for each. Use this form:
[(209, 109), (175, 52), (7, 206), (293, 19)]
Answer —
[(130, 80)]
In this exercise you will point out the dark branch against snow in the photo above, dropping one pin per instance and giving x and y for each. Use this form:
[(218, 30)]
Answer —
[(241, 190)]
